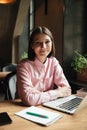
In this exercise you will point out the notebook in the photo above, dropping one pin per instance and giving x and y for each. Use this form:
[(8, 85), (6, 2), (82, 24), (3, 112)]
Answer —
[(39, 115), (67, 104)]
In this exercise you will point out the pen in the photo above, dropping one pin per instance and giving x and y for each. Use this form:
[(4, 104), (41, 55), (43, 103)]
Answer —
[(36, 114)]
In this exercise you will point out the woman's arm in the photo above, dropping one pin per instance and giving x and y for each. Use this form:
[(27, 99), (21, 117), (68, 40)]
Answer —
[(64, 89)]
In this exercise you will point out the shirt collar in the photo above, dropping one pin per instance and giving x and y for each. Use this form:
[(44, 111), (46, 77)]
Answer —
[(40, 65)]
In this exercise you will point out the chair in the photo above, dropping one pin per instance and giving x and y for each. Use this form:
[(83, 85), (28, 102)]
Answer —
[(10, 86), (9, 67)]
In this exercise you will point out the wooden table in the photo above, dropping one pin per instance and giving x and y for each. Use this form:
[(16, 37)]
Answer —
[(4, 74), (78, 121)]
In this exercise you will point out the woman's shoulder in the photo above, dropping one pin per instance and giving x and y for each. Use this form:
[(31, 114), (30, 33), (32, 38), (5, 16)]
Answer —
[(53, 59), (24, 62)]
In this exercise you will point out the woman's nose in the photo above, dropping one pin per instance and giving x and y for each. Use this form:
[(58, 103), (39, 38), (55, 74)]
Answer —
[(43, 45)]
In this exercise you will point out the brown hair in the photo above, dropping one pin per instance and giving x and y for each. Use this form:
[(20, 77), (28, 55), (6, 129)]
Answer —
[(38, 30)]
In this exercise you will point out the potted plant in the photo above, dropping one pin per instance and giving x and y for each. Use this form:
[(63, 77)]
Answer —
[(24, 55), (79, 65)]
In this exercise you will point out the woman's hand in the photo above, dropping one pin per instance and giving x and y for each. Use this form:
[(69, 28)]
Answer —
[(64, 91)]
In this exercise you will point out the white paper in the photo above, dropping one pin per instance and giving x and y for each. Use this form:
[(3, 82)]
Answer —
[(52, 116)]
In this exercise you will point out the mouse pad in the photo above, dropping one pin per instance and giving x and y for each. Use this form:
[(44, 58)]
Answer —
[(5, 118)]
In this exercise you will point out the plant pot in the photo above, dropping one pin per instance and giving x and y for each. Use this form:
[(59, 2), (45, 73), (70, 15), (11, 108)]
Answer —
[(82, 76)]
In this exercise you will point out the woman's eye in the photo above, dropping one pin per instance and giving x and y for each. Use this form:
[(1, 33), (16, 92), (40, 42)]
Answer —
[(37, 43), (47, 42)]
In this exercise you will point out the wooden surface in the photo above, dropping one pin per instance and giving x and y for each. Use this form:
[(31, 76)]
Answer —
[(78, 121), (4, 74)]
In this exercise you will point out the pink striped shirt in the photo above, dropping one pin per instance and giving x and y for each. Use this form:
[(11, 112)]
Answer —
[(33, 76)]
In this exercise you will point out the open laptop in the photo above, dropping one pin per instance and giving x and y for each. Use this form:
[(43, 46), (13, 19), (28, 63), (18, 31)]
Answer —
[(67, 104)]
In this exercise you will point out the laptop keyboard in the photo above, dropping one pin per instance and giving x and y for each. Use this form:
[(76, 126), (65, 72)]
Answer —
[(71, 104)]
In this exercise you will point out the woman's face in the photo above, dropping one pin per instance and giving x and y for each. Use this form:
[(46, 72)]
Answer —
[(42, 46)]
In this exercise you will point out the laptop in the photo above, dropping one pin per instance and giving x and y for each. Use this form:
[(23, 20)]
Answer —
[(67, 104)]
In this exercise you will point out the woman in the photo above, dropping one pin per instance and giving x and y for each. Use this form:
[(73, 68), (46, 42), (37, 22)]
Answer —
[(40, 72)]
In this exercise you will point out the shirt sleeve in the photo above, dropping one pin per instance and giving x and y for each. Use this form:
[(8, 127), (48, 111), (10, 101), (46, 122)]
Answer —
[(59, 77), (27, 91)]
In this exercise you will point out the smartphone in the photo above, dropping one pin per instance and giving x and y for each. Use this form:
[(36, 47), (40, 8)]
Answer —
[(5, 118)]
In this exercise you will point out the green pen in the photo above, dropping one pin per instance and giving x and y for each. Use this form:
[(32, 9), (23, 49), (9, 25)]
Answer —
[(36, 114)]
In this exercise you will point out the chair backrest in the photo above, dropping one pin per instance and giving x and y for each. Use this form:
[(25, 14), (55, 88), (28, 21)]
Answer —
[(9, 67), (11, 86)]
